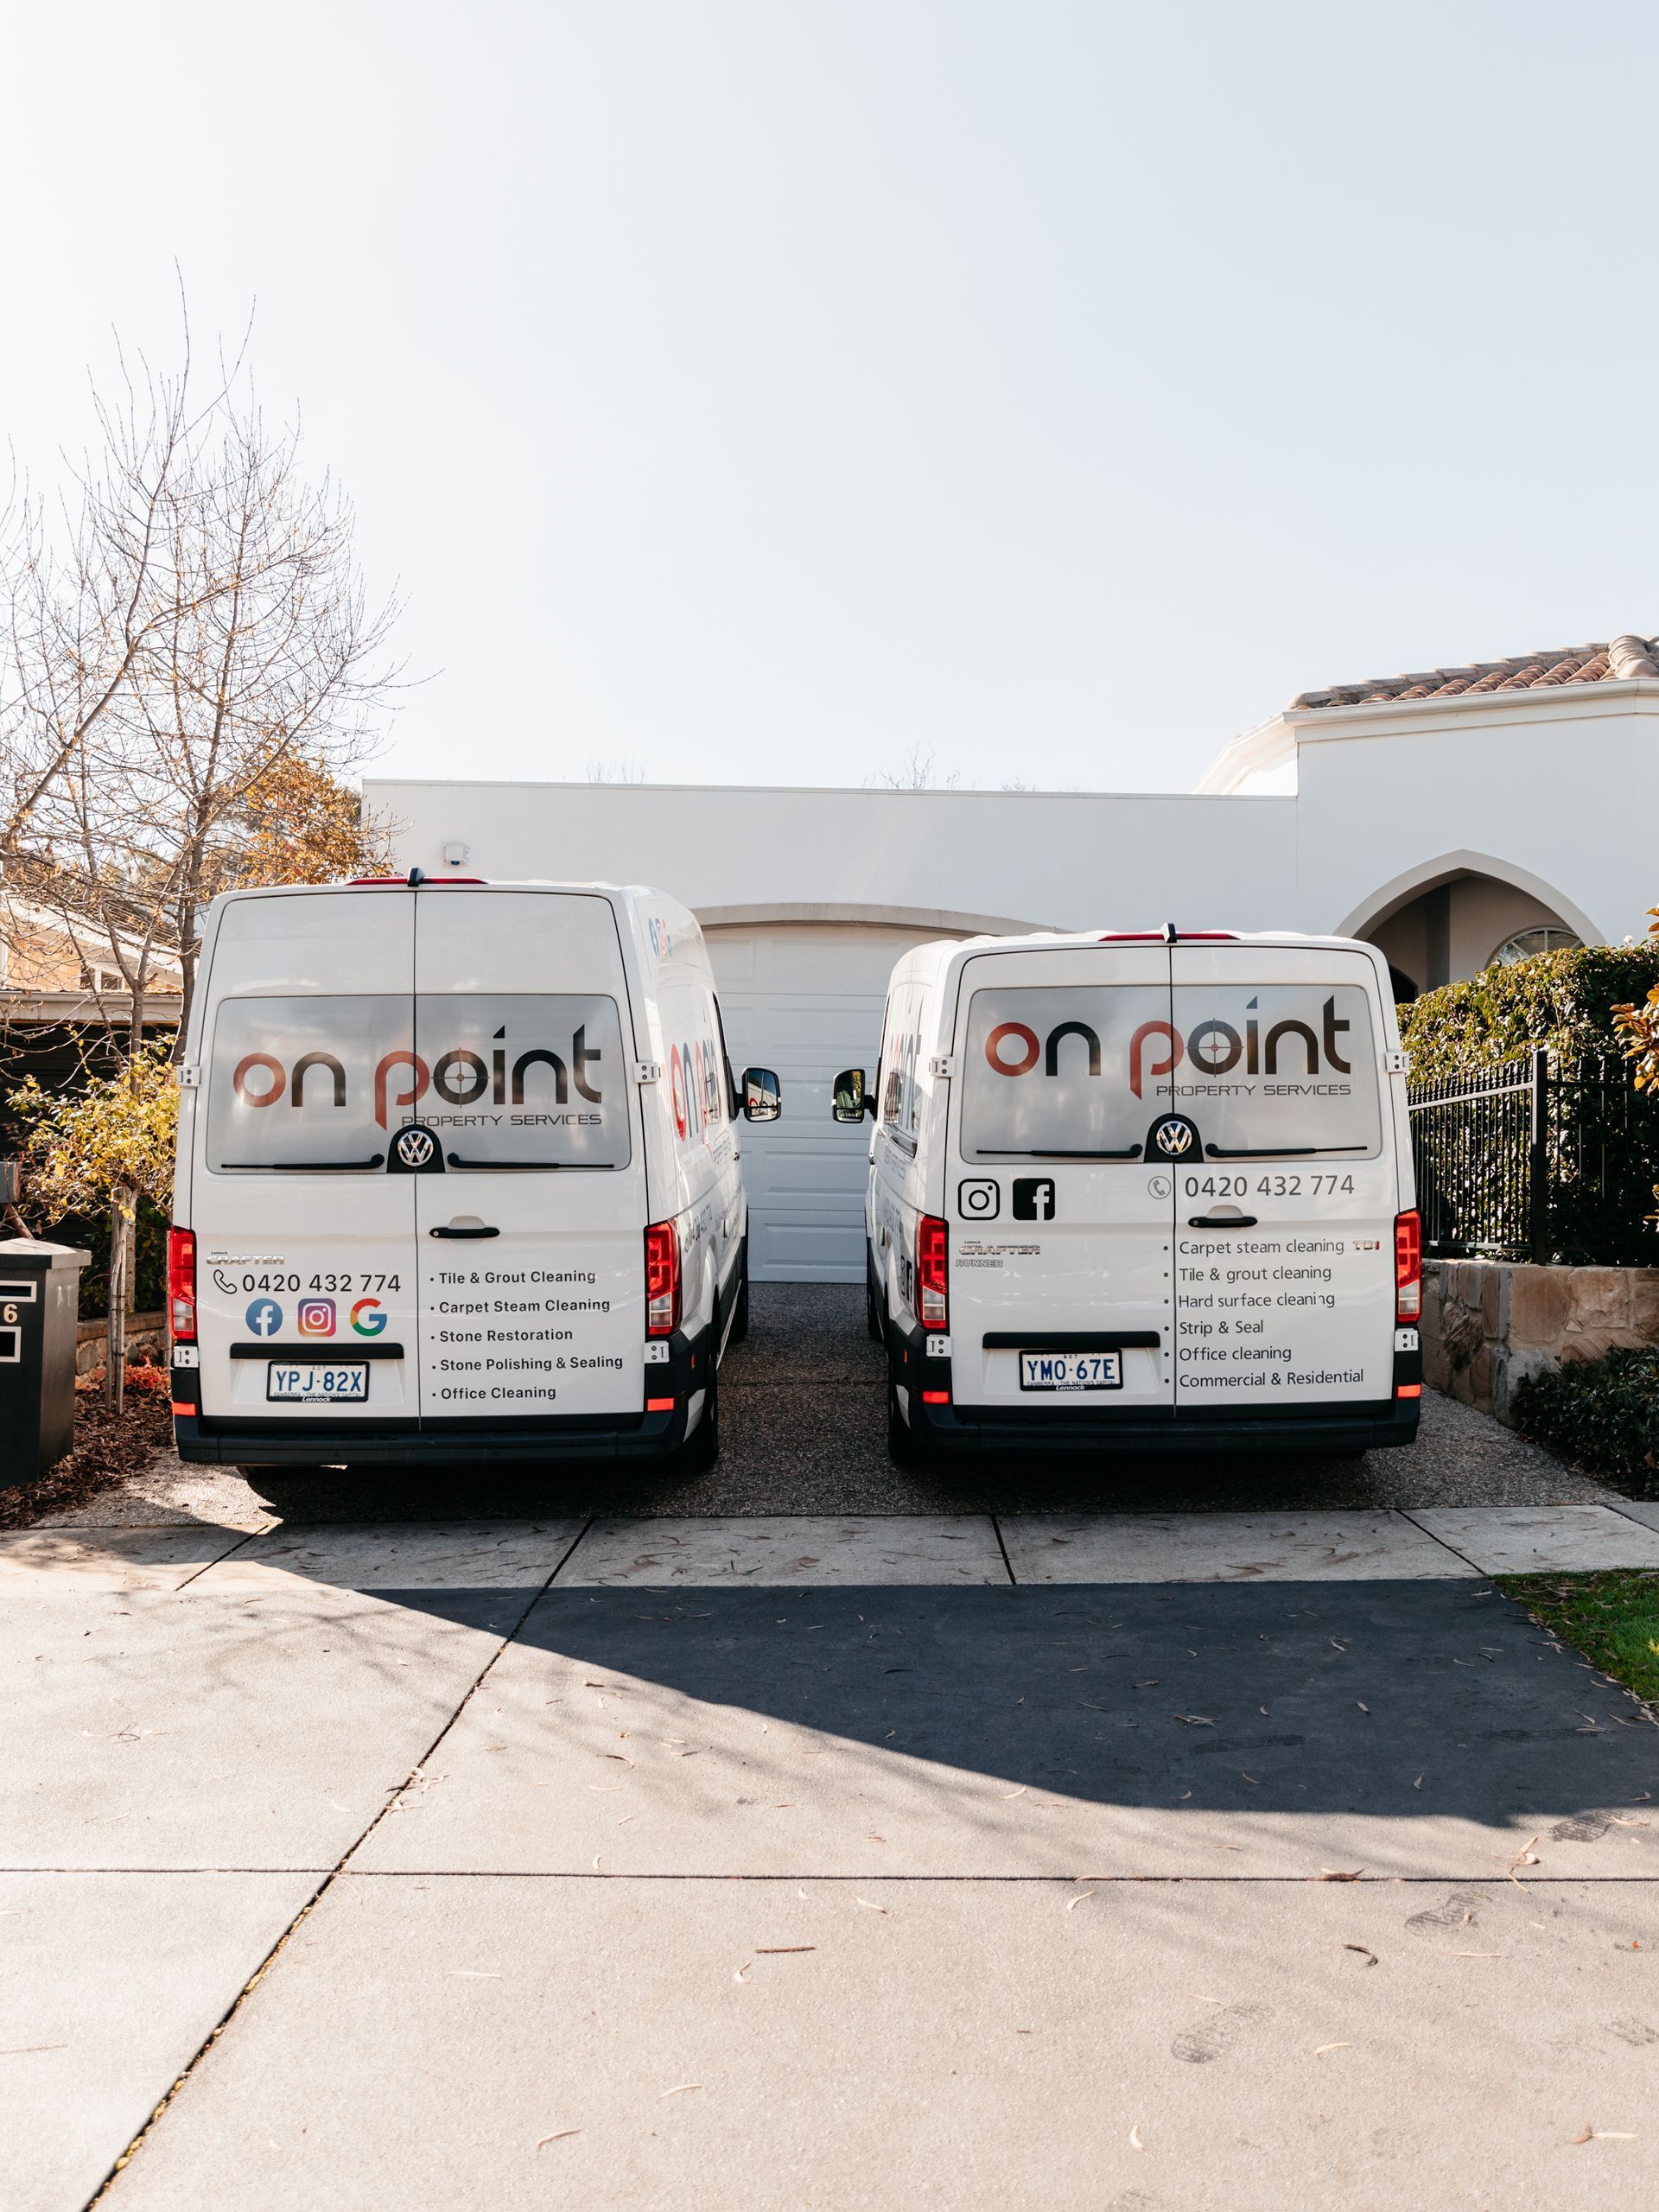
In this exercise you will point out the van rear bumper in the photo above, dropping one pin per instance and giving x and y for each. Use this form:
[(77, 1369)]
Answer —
[(448, 1440), (449, 1443), (1369, 1426), (1365, 1425)]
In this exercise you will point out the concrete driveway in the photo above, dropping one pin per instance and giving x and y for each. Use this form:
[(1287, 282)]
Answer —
[(1145, 1857)]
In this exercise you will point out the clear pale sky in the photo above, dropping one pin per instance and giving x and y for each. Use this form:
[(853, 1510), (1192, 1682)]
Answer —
[(755, 390)]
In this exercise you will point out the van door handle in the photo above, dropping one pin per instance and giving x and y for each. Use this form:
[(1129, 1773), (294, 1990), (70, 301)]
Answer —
[(455, 1228), (1201, 1221)]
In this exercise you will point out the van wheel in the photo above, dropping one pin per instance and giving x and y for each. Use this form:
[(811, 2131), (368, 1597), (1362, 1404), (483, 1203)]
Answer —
[(700, 1452), (902, 1448), (739, 1328)]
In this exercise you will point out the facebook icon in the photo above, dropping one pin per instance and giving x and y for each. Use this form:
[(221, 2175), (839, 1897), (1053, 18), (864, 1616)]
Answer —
[(264, 1317), (1033, 1197)]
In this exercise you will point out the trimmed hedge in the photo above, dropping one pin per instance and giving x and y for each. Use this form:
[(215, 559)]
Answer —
[(1564, 1000), (1601, 1414)]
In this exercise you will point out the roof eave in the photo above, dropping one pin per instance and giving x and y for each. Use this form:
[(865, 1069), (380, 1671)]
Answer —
[(1609, 695)]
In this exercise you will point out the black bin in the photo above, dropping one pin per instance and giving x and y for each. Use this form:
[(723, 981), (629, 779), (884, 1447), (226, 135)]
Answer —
[(40, 1303)]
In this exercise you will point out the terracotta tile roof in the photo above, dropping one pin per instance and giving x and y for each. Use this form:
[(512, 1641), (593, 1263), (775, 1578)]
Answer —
[(1625, 657)]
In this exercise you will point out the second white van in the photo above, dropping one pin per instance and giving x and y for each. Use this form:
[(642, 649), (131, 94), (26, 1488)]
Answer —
[(1145, 1190), (457, 1178)]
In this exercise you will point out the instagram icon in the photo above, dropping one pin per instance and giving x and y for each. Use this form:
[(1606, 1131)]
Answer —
[(316, 1317)]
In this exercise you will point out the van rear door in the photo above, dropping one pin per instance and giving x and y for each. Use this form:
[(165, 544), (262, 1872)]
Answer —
[(306, 1300), (1284, 1220), (531, 1217), (1061, 1224)]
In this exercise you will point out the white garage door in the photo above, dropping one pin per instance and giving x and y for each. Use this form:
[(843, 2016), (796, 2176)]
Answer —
[(806, 999)]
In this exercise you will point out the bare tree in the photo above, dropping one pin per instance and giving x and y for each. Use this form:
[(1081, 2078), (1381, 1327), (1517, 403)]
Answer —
[(194, 626), (189, 649), (915, 773), (615, 772)]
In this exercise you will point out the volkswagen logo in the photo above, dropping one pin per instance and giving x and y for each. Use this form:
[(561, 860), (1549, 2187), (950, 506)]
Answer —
[(1173, 1138), (414, 1147)]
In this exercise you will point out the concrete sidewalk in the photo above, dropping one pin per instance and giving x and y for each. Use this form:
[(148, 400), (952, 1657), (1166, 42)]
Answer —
[(805, 1550), (812, 1833), (1225, 1861)]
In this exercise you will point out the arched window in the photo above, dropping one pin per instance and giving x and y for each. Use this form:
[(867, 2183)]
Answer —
[(1547, 938)]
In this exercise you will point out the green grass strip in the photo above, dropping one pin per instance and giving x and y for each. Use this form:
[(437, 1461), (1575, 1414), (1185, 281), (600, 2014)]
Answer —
[(1613, 1617)]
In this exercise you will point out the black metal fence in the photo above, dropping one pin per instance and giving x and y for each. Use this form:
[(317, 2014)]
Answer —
[(1535, 1159)]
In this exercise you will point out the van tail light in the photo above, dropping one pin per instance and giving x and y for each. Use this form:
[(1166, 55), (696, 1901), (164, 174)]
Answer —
[(181, 1285), (662, 1279), (1408, 1267), (933, 1250)]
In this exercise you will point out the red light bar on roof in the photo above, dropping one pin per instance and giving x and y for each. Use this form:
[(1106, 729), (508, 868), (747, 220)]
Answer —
[(414, 881), (1167, 937)]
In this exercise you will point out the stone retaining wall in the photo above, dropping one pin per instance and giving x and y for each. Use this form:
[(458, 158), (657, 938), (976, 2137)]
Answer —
[(146, 1338), (1489, 1324)]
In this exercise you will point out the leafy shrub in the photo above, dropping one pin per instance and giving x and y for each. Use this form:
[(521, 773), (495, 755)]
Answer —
[(84, 1148), (91, 1231), (1638, 1027), (1563, 1000), (1601, 1414)]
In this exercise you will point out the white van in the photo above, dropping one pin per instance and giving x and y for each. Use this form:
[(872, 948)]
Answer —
[(1144, 1189), (457, 1178)]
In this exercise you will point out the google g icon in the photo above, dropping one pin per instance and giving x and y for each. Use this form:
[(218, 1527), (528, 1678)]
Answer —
[(366, 1318)]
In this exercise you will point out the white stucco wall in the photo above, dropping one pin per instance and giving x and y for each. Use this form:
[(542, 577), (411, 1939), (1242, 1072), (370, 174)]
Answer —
[(1547, 790), (1551, 791), (1064, 860)]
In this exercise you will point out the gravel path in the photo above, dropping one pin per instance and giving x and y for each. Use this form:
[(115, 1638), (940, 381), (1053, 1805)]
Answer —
[(804, 1421)]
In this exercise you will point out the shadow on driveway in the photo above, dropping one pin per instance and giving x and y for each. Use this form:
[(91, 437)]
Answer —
[(1396, 1701)]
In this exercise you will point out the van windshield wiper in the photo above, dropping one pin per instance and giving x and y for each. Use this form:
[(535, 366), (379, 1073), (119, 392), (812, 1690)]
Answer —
[(301, 1166), (1048, 1152), (500, 1167), (1284, 1151)]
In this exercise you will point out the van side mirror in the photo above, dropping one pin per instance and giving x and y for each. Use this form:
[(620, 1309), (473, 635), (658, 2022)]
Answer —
[(761, 1095), (852, 1100)]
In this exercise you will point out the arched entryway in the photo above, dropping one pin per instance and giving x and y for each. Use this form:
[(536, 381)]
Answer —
[(1455, 915)]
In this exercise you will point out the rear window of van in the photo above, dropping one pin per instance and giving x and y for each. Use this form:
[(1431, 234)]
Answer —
[(1267, 1070), (512, 1080)]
